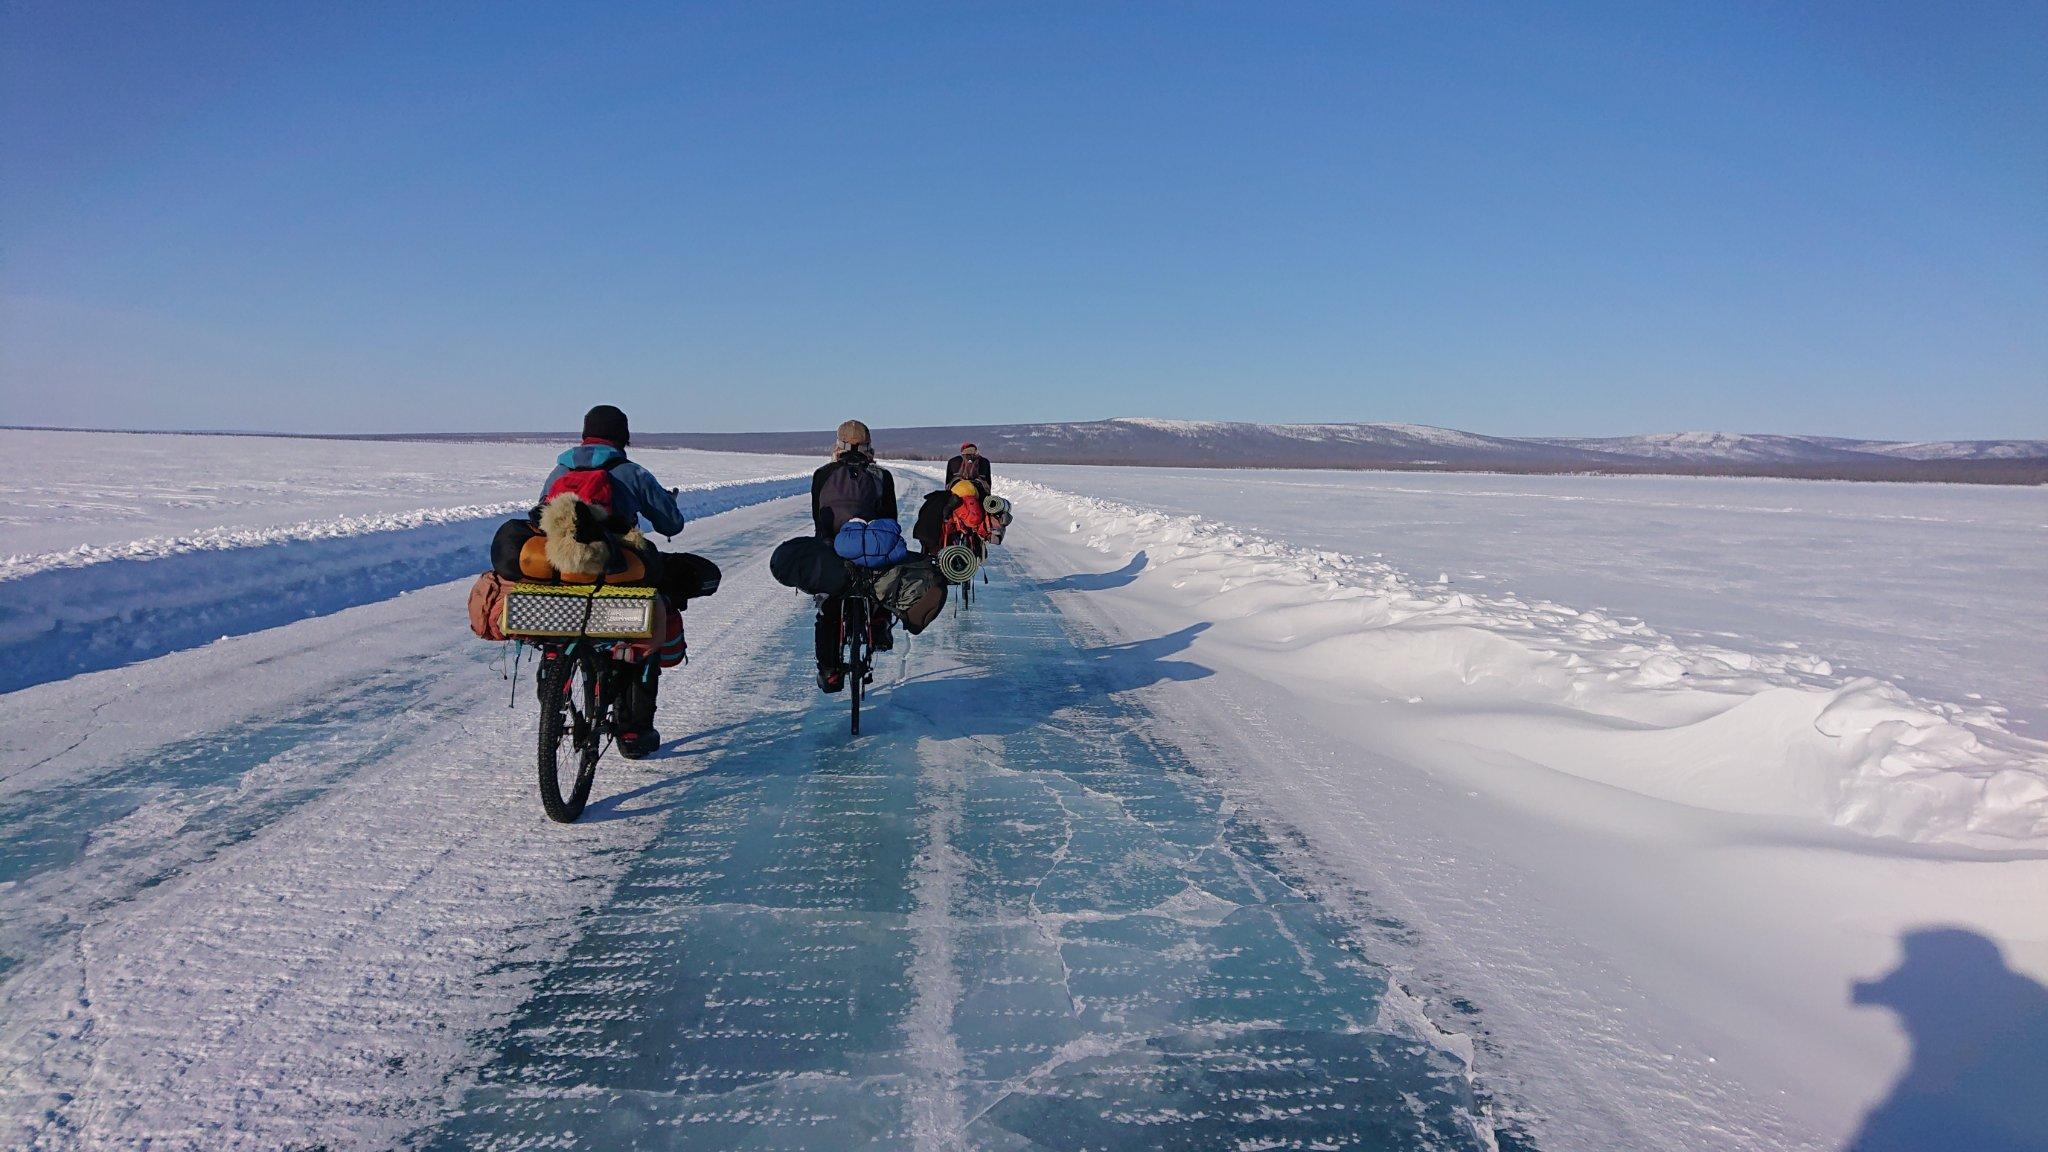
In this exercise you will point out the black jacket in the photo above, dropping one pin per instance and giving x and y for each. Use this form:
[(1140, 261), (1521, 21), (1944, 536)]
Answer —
[(931, 518), (850, 488), (958, 468)]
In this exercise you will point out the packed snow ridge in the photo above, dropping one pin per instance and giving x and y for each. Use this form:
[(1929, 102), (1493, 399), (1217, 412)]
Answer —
[(1777, 735)]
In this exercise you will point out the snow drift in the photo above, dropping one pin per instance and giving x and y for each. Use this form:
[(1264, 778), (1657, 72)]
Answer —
[(1775, 734)]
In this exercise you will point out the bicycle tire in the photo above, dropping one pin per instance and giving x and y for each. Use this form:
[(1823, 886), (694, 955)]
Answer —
[(559, 681), (855, 629), (858, 688)]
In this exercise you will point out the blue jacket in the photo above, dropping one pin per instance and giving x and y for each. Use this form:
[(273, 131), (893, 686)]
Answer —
[(641, 495)]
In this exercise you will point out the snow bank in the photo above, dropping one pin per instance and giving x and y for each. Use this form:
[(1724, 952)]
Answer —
[(223, 539), (95, 607), (1773, 734)]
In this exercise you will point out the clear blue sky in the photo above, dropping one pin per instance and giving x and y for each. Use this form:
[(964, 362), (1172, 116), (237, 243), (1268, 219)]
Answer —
[(1512, 219)]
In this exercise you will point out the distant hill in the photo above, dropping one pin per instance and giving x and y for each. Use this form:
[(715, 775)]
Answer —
[(1220, 444), (1410, 447), (1742, 447)]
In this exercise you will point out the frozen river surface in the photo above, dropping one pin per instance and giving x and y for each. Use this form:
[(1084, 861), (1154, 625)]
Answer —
[(1009, 917)]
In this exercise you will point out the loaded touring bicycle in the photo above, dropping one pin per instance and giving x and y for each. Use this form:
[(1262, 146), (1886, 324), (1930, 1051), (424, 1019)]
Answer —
[(599, 636)]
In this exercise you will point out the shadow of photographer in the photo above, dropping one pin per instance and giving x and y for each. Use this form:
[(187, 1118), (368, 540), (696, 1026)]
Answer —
[(1978, 1076)]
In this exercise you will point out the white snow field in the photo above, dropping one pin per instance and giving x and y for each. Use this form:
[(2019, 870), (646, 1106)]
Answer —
[(77, 498), (190, 538), (1182, 836), (1935, 587)]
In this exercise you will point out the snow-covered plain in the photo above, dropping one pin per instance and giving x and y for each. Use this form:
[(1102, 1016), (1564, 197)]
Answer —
[(1935, 587), (76, 498), (196, 537), (1234, 829)]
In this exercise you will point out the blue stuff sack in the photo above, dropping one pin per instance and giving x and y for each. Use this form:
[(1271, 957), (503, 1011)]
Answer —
[(871, 543)]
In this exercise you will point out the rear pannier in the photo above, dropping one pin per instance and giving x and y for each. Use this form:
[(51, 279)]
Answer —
[(487, 606), (914, 592)]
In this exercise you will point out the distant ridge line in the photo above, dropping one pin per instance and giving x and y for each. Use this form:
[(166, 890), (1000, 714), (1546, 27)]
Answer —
[(1357, 447)]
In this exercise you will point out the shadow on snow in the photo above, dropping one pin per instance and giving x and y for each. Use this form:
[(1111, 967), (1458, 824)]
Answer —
[(1979, 1062), (1098, 581)]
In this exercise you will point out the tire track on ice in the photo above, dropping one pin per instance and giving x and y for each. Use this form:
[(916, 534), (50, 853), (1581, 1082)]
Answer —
[(937, 1121), (320, 981)]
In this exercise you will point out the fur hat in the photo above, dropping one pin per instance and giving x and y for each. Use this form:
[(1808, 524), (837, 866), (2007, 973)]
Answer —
[(853, 434), (573, 544), (605, 422)]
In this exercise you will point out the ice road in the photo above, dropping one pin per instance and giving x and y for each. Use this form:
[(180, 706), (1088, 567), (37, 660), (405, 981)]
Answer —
[(1017, 914)]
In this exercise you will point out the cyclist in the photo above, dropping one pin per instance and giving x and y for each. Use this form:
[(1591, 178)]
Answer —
[(634, 494), (970, 464), (851, 487)]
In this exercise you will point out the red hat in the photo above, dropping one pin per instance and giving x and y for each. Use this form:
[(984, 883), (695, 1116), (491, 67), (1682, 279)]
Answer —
[(966, 444)]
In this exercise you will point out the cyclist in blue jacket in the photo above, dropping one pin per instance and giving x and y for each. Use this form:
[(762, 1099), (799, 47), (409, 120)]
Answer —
[(636, 495)]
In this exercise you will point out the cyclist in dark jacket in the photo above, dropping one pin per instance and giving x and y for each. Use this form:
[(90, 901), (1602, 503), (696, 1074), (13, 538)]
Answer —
[(851, 487), (970, 464)]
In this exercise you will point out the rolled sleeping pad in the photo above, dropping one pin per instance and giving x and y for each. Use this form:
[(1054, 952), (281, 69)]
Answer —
[(958, 563), (995, 506)]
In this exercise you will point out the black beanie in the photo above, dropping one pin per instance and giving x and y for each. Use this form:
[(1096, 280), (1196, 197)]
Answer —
[(605, 422)]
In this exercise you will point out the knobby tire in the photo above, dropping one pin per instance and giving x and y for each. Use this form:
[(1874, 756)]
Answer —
[(562, 680), (855, 629)]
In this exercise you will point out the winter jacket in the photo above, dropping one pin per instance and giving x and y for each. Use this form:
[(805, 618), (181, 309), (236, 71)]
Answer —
[(850, 488), (639, 491), (977, 470)]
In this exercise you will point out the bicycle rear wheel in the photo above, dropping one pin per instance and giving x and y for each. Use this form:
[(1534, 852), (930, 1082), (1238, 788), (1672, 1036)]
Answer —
[(569, 720)]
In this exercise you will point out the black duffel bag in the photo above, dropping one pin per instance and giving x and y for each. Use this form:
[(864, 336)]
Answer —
[(687, 576), (512, 535), (809, 564)]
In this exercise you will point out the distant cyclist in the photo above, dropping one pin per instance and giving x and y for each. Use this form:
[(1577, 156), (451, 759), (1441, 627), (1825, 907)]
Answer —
[(970, 464), (851, 487)]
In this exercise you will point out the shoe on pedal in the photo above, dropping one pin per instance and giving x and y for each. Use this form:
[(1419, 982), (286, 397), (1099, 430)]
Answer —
[(831, 679), (638, 745)]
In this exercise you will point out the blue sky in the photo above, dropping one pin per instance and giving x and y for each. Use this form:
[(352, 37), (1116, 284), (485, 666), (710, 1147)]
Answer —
[(1616, 218)]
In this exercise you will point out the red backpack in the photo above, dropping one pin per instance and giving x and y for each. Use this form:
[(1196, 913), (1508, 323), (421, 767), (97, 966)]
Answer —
[(593, 486), (969, 517)]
